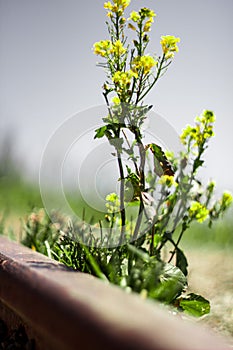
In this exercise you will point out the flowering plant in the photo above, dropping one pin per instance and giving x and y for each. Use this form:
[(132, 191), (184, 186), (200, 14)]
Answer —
[(169, 195), (160, 193)]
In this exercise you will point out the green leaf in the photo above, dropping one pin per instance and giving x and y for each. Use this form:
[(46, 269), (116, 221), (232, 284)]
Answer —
[(197, 164), (172, 283), (181, 261), (117, 143), (195, 305), (161, 164), (94, 265), (100, 132), (132, 186), (139, 253)]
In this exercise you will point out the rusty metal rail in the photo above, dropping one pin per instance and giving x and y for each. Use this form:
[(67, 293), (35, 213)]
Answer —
[(65, 310)]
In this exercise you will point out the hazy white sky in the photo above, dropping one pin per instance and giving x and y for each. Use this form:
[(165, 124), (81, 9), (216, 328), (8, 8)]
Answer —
[(48, 71)]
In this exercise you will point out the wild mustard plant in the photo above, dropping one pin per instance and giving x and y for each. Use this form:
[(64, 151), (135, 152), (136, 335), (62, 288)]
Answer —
[(131, 74), (160, 194)]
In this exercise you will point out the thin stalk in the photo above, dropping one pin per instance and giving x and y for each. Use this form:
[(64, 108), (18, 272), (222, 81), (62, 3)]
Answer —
[(101, 231), (152, 240), (111, 227), (117, 27), (127, 141), (142, 183), (139, 90), (122, 195), (139, 219), (184, 227), (155, 80)]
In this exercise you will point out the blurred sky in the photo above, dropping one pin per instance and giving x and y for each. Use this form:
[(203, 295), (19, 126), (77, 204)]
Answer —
[(48, 71)]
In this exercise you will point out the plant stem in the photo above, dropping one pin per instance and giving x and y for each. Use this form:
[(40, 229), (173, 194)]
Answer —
[(122, 195), (142, 182), (152, 240), (177, 243), (155, 80), (139, 219)]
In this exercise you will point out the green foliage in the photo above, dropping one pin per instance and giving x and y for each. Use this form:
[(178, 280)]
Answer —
[(128, 266), (2, 224), (39, 232), (194, 305)]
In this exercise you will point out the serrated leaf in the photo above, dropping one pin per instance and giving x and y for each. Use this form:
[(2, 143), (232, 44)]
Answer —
[(161, 164), (181, 261), (195, 305)]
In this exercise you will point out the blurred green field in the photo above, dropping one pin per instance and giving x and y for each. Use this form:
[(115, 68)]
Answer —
[(219, 236), (18, 198)]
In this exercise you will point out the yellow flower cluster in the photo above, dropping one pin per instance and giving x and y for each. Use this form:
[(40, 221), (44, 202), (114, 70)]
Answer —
[(206, 117), (145, 63), (103, 48), (201, 132), (198, 211), (226, 200), (113, 203), (167, 180), (118, 48), (134, 16), (142, 15), (118, 6), (139, 17), (190, 132), (123, 79), (169, 45)]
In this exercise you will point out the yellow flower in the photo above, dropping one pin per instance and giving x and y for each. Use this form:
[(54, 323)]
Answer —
[(147, 25), (169, 45), (206, 116), (122, 78), (123, 3), (198, 211), (118, 48), (146, 63), (226, 199), (167, 180), (188, 132), (134, 16), (133, 74), (118, 7), (116, 100), (109, 14), (201, 132), (108, 6), (113, 203), (103, 48), (146, 13)]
